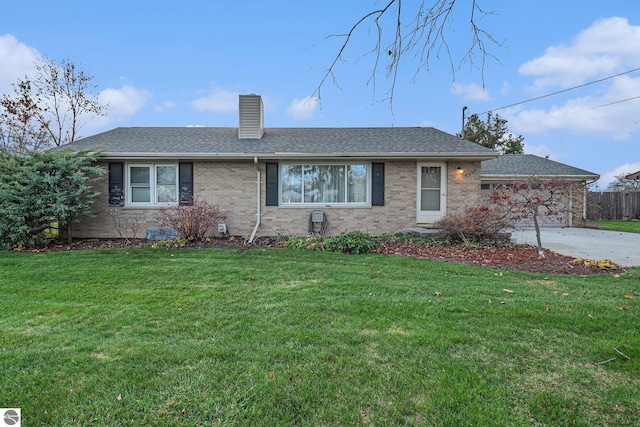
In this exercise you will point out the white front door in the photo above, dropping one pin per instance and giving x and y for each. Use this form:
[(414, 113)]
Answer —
[(432, 192)]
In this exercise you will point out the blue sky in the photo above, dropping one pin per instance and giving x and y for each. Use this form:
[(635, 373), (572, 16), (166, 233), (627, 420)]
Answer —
[(165, 63)]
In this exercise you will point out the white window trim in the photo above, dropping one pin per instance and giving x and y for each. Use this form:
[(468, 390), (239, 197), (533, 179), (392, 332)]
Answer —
[(153, 185), (366, 203)]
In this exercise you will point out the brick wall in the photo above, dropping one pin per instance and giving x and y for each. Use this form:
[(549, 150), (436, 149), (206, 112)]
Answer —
[(463, 189), (232, 187), (578, 195)]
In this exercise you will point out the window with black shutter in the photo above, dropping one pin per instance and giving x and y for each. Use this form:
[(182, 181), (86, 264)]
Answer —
[(272, 184), (377, 184), (185, 183), (116, 184)]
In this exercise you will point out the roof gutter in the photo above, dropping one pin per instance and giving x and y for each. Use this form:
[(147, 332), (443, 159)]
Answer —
[(497, 177), (283, 155)]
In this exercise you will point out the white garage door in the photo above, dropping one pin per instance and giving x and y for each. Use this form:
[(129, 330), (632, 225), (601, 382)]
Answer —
[(559, 219)]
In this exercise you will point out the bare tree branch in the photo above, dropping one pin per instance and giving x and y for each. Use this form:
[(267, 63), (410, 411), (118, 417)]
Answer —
[(49, 109), (426, 36), (347, 36)]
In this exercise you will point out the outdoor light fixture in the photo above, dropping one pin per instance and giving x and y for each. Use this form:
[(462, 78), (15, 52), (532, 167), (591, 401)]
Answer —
[(459, 171)]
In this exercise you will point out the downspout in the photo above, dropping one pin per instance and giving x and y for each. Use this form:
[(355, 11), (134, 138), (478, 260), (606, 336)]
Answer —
[(258, 214)]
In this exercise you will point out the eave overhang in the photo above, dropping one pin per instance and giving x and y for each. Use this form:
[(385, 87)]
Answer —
[(290, 155), (501, 178)]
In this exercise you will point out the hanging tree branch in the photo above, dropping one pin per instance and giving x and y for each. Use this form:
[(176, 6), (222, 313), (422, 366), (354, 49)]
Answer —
[(426, 36)]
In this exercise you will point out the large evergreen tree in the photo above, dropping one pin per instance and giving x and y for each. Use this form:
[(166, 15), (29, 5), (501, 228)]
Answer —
[(39, 188)]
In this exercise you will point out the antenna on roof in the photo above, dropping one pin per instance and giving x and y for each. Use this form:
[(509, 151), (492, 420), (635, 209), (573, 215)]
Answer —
[(462, 131)]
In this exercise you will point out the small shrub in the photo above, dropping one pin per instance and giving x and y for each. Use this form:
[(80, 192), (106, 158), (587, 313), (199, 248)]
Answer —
[(476, 224), (127, 224), (355, 242), (312, 242), (179, 242), (193, 222)]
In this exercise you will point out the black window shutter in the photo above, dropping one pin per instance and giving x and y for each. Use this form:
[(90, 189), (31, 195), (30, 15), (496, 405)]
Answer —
[(377, 184), (116, 184), (272, 184), (185, 184)]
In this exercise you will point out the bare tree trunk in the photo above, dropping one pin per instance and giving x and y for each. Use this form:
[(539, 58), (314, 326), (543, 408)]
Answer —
[(537, 227), (69, 232)]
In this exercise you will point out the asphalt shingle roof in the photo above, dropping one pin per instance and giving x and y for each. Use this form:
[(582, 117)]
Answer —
[(510, 165), (210, 141)]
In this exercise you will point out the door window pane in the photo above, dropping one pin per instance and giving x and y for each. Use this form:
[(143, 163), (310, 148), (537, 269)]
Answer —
[(430, 188), (430, 200), (431, 177)]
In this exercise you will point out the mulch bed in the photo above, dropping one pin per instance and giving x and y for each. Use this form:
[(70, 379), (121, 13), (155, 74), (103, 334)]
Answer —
[(519, 258)]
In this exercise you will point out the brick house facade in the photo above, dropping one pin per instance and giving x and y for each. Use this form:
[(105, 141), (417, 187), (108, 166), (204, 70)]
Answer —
[(270, 181), (231, 185)]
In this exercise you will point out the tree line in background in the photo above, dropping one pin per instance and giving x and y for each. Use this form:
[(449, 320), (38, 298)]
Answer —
[(623, 184)]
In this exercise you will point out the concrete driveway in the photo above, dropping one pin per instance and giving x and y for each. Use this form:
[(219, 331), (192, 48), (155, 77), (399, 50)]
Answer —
[(621, 248)]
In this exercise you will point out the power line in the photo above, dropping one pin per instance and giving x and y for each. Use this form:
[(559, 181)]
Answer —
[(585, 109), (564, 90)]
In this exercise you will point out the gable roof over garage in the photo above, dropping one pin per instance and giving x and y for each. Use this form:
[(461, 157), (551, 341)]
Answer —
[(514, 166)]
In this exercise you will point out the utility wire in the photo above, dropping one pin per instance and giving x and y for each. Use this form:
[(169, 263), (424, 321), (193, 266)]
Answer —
[(585, 109), (565, 90)]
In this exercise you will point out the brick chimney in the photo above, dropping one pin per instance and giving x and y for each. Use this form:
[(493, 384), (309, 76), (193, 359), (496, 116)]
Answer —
[(251, 117)]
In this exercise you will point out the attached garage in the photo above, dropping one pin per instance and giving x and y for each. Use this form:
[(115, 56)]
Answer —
[(508, 169)]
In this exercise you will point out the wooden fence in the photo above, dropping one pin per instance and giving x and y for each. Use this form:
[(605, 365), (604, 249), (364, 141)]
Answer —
[(613, 205)]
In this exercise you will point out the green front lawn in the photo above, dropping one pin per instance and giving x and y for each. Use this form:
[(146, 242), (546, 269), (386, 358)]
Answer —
[(254, 337), (628, 226)]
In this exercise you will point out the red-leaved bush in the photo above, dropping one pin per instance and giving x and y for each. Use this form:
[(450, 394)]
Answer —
[(193, 222), (478, 223)]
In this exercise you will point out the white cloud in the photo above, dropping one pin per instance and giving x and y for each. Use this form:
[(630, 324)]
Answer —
[(610, 113), (473, 92), (219, 100), (17, 60), (166, 105), (506, 88), (123, 103), (302, 109), (611, 175), (126, 101), (610, 45)]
